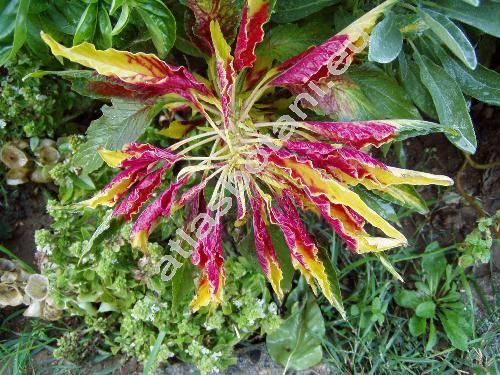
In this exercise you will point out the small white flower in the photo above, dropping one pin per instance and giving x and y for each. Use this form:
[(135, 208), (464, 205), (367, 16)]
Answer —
[(204, 350)]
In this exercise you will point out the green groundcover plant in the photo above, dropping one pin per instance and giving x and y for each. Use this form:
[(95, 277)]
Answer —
[(275, 108)]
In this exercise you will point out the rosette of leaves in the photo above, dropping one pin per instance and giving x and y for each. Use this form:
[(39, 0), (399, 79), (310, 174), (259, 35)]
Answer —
[(233, 111), (437, 303)]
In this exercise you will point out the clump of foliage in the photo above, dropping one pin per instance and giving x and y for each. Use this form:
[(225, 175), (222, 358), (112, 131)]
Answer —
[(120, 294), (437, 299), (34, 107), (476, 247)]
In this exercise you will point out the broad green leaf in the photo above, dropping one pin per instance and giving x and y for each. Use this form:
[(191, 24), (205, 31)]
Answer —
[(453, 329), (485, 17), (105, 37), (13, 27), (160, 23), (377, 204), (417, 325), (121, 123), (288, 40), (86, 26), (403, 195), (247, 245), (83, 182), (333, 279), (386, 41), (296, 344), (481, 83), (414, 87), (449, 102), (293, 10), (433, 266), (432, 340), (388, 97), (33, 40), (63, 17), (451, 36), (347, 102), (409, 299), (183, 44), (283, 254), (426, 310), (182, 283), (8, 11), (20, 26)]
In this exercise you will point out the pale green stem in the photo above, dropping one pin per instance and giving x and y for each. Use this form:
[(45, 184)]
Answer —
[(198, 144), (175, 146)]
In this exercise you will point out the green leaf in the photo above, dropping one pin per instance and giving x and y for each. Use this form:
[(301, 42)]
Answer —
[(148, 366), (433, 266), (83, 182), (409, 299), (160, 23), (121, 123), (288, 40), (451, 36), (13, 27), (386, 41), (431, 342), (296, 344), (412, 198), (62, 17), (347, 102), (86, 26), (122, 20), (103, 227), (378, 204), (388, 266), (283, 254), (481, 83), (414, 87), (20, 26), (115, 4), (453, 329), (293, 10), (8, 12), (105, 28), (333, 279), (449, 102), (426, 310), (414, 128), (388, 97), (417, 325), (485, 17), (182, 283)]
